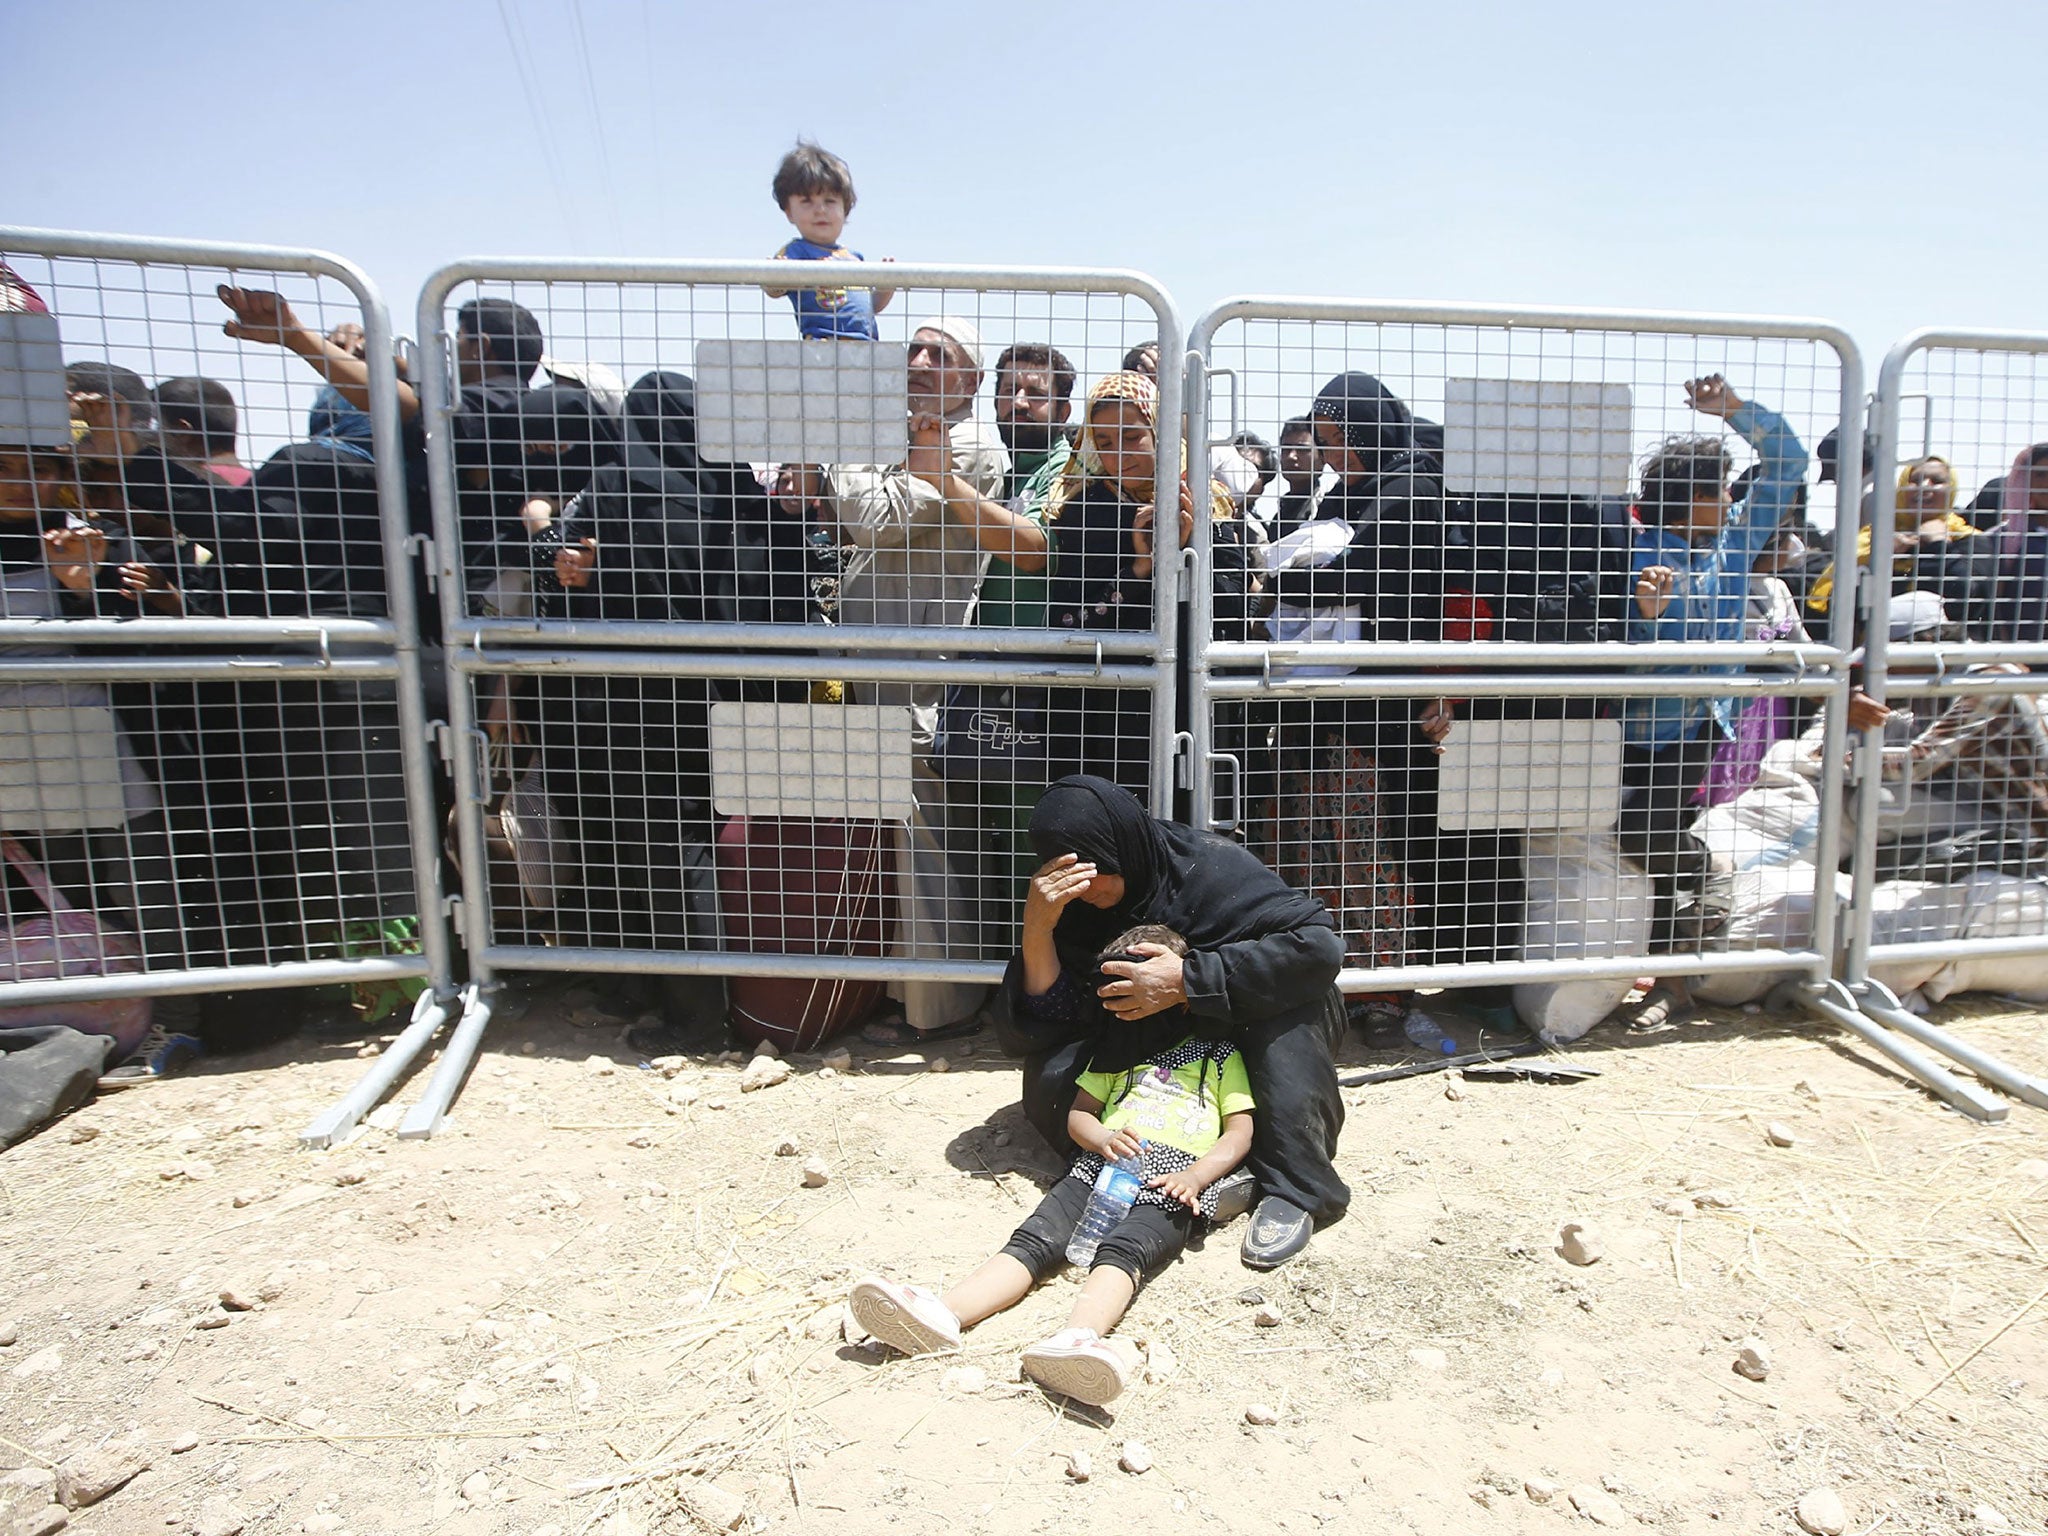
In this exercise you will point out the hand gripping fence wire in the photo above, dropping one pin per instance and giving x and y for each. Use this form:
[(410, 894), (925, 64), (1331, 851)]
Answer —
[(1948, 793), (742, 732), (1455, 869), (213, 715)]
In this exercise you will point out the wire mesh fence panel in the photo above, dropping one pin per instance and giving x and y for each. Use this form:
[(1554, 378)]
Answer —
[(745, 817), (213, 753), (1436, 704), (196, 436), (1952, 790), (933, 541)]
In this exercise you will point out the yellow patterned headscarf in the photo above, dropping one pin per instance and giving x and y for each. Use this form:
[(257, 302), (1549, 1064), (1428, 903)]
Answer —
[(1085, 463)]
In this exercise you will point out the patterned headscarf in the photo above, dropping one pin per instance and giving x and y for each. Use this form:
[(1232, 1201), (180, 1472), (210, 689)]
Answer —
[(1085, 463)]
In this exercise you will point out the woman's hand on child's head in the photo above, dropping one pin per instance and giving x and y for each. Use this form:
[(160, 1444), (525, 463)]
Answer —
[(1143, 987), (1183, 1186), (1057, 882), (537, 515)]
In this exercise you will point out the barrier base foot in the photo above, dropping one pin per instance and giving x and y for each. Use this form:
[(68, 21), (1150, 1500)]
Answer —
[(429, 1013), (426, 1116), (1836, 1004)]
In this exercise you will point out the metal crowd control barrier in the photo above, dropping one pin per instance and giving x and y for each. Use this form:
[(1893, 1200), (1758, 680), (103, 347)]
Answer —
[(1951, 794), (1499, 863), (211, 712), (729, 668)]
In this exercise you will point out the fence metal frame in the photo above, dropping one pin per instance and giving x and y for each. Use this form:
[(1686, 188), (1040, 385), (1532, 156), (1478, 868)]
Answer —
[(1861, 951), (861, 652), (1819, 992), (398, 634)]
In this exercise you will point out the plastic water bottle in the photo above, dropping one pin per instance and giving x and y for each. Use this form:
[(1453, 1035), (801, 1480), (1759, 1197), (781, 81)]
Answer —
[(1426, 1034), (1116, 1188)]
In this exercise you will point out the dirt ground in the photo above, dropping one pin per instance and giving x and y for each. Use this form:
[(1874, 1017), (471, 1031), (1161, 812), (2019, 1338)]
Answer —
[(603, 1301)]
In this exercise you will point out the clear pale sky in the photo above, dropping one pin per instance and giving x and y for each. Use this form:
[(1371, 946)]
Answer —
[(1877, 164)]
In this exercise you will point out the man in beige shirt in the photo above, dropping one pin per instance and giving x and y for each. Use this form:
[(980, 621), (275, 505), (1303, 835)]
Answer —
[(921, 533)]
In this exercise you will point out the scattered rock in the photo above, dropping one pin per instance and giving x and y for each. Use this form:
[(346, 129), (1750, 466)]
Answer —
[(1426, 1359), (1135, 1458), (10, 1332), (684, 1094), (27, 1491), (816, 1174), (476, 1488), (1480, 1494), (1578, 1242), (1541, 1490), (320, 1523), (350, 1176), (472, 1395), (713, 1507), (787, 1148), (668, 1066), (760, 1371), (826, 1323), (239, 1298), (1079, 1467), (1260, 1413), (1820, 1511), (600, 1066), (1675, 1206), (1454, 1091), (185, 1440), (1266, 1315), (219, 1516), (1160, 1361), (1753, 1360), (1598, 1505), (1713, 1200), (1779, 1134), (1251, 1296), (46, 1521), (967, 1380), (89, 1476), (1989, 1518), (214, 1320), (83, 1133), (242, 1199), (840, 1060), (765, 1072)]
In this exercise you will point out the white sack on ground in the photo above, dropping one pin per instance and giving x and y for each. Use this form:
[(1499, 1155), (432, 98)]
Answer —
[(1586, 901)]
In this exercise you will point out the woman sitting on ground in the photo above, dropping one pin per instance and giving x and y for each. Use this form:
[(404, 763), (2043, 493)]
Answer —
[(1260, 973)]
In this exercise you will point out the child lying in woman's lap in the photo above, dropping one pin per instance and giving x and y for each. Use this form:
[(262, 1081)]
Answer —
[(1186, 1107)]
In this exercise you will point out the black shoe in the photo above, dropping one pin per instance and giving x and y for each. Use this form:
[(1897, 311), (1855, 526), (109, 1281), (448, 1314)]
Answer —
[(1280, 1229), (1235, 1193)]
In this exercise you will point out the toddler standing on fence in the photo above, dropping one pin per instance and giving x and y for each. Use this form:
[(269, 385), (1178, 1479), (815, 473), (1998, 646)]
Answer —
[(814, 190), (1181, 1102)]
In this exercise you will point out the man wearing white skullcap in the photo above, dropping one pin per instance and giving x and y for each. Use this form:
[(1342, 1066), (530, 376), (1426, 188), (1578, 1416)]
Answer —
[(921, 533)]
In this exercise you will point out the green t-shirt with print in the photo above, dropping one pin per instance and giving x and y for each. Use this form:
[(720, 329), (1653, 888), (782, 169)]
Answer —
[(1182, 1105)]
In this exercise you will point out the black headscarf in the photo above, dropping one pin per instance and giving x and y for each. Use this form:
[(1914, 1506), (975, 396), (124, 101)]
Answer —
[(1205, 888), (1376, 424)]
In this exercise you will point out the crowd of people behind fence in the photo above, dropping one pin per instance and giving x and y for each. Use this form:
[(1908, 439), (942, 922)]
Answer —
[(265, 819)]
